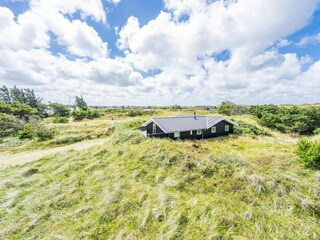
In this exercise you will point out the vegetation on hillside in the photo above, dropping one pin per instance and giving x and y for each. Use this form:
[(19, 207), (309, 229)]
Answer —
[(22, 114), (228, 108), (138, 188), (309, 153), (251, 185), (293, 119), (243, 128), (60, 110)]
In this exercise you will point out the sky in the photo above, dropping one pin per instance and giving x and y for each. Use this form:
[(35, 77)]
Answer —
[(163, 52)]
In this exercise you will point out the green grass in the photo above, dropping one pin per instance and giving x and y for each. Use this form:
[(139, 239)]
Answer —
[(235, 187), (66, 134)]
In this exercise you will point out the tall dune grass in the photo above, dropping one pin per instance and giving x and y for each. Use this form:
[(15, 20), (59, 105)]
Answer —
[(138, 188)]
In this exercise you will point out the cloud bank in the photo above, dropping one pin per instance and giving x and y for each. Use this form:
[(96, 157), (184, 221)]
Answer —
[(193, 52)]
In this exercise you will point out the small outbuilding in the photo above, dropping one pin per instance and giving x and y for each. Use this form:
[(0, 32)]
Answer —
[(188, 127), (210, 108)]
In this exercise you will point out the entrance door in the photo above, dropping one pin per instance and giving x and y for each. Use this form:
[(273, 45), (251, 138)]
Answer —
[(176, 134)]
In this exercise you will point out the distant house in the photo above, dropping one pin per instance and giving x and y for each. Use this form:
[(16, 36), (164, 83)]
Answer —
[(209, 108), (188, 127)]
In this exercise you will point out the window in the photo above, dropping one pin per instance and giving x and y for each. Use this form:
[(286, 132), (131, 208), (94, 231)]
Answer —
[(176, 134), (226, 128), (199, 132), (190, 132), (213, 129), (154, 129)]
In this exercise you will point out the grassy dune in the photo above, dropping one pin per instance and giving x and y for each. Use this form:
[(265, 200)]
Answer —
[(135, 188)]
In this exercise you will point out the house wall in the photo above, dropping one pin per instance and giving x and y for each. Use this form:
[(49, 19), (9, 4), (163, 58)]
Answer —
[(159, 133), (220, 131), (220, 127)]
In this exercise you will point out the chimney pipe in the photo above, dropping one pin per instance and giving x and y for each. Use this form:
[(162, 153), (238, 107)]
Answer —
[(195, 115)]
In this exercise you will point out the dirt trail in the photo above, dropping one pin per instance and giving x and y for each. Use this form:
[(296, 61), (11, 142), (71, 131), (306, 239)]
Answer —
[(9, 159)]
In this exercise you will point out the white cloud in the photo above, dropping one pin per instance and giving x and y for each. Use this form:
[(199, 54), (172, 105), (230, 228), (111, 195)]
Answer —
[(114, 1), (87, 8), (79, 38), (248, 25), (32, 27), (25, 33), (313, 39), (246, 28), (182, 45)]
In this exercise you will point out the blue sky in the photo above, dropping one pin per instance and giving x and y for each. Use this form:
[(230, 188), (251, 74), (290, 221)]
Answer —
[(312, 28), (163, 52)]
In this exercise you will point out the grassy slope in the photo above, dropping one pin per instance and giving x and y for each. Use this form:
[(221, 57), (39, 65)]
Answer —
[(133, 188), (66, 134)]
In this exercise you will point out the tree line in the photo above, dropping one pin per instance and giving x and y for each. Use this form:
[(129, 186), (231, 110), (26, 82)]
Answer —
[(21, 113)]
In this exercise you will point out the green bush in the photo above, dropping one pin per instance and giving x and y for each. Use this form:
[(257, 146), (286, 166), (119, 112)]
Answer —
[(137, 112), (229, 108), (245, 128), (93, 113), (301, 120), (79, 115), (309, 153), (59, 119), (317, 131), (44, 133), (36, 130), (1, 140), (18, 109), (9, 125), (134, 113), (28, 131), (60, 110)]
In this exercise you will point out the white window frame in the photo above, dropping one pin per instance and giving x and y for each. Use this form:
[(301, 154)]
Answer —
[(199, 132), (154, 128), (227, 128), (176, 134), (214, 129), (190, 132)]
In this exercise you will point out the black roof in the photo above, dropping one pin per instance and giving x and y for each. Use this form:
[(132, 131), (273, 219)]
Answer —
[(183, 123)]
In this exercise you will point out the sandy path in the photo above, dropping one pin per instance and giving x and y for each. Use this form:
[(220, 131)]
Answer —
[(9, 159)]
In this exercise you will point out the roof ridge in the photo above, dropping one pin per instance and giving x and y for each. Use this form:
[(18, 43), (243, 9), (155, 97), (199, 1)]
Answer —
[(189, 116)]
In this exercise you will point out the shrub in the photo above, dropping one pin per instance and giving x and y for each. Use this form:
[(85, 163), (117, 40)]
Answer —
[(28, 131), (245, 128), (59, 119), (18, 109), (9, 125), (35, 130), (93, 113), (309, 153), (1, 140), (89, 114), (134, 113), (44, 133), (79, 115), (60, 110), (317, 131), (301, 120), (229, 108)]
